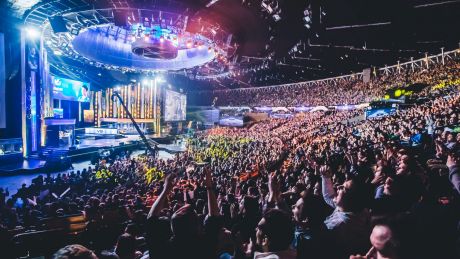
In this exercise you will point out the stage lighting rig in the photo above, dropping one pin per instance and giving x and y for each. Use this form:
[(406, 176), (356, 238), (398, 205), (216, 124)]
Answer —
[(211, 3), (32, 32), (307, 18)]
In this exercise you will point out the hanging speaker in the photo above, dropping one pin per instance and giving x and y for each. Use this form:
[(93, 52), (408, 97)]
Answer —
[(58, 24)]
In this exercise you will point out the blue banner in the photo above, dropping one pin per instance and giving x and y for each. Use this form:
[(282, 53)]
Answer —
[(375, 113)]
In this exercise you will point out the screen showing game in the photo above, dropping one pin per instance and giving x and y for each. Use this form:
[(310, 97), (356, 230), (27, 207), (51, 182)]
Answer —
[(70, 90), (175, 106)]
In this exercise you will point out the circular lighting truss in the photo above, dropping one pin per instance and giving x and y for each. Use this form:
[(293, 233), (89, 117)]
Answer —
[(149, 40)]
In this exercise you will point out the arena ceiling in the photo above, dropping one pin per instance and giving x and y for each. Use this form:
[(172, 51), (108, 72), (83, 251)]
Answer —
[(279, 41)]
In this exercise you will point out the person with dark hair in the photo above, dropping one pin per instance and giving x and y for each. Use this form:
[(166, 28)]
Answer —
[(349, 224), (74, 252), (83, 94), (186, 240), (274, 236), (126, 247), (310, 231)]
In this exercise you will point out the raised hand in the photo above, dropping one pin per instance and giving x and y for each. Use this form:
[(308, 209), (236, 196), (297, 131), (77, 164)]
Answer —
[(273, 184), (169, 182), (325, 171)]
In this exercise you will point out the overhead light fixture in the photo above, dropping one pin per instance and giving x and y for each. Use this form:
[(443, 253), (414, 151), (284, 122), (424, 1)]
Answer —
[(75, 31), (212, 2), (32, 32)]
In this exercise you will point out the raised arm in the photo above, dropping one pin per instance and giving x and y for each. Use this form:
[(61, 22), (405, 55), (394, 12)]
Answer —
[(213, 208), (327, 186), (159, 204)]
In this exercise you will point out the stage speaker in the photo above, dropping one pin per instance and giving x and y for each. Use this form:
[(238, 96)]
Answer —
[(119, 19), (58, 24)]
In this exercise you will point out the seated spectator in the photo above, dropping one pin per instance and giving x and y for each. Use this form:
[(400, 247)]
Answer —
[(186, 239), (274, 236), (126, 247), (350, 222)]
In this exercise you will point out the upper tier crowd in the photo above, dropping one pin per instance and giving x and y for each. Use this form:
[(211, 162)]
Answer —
[(317, 185), (329, 93)]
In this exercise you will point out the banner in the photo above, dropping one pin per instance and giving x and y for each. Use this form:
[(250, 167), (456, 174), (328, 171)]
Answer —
[(101, 131), (281, 115), (376, 113), (232, 121)]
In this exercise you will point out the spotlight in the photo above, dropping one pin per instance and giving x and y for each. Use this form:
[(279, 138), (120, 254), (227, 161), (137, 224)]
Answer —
[(159, 79), (189, 44), (162, 39), (145, 82), (32, 32), (57, 53), (75, 31)]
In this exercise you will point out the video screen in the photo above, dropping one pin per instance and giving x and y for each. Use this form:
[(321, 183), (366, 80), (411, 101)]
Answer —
[(70, 90), (58, 113), (175, 106)]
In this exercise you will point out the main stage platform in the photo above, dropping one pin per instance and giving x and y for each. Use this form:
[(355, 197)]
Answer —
[(87, 149)]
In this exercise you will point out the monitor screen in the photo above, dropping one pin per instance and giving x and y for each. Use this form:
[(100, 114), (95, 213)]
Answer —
[(175, 106), (70, 90)]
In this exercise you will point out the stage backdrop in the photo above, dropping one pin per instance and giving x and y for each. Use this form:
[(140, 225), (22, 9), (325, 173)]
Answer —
[(175, 106), (2, 82)]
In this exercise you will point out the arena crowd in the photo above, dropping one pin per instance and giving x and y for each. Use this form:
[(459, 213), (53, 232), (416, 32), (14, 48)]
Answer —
[(317, 185), (328, 93)]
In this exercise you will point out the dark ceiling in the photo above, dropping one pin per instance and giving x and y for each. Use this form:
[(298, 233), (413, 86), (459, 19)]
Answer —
[(342, 36)]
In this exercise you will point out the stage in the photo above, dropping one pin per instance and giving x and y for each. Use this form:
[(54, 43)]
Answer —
[(87, 149), (13, 175)]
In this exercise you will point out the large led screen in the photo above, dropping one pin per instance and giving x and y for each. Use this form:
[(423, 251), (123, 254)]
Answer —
[(71, 90), (175, 106)]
